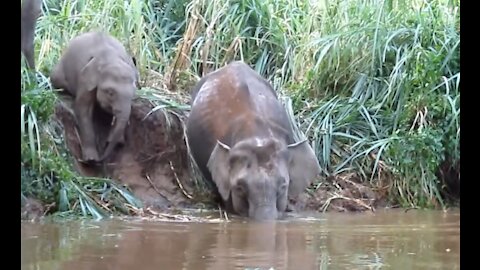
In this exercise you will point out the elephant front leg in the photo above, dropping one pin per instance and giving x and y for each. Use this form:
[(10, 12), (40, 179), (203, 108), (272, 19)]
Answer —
[(84, 114), (29, 56)]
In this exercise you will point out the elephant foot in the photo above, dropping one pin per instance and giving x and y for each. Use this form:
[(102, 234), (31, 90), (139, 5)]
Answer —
[(120, 141), (90, 156), (290, 207), (108, 149)]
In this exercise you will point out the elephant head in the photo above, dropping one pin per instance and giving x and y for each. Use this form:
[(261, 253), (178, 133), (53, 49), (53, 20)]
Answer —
[(259, 175), (115, 81)]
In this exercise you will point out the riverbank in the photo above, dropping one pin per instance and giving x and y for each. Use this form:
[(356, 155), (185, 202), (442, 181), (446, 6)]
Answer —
[(375, 87), (155, 166)]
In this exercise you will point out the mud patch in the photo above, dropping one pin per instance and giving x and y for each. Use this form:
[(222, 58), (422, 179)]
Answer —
[(449, 175), (153, 163), (32, 209), (342, 193)]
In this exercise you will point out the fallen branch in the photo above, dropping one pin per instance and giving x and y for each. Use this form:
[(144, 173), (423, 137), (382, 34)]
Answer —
[(178, 182), (149, 213), (101, 204), (337, 196), (154, 187)]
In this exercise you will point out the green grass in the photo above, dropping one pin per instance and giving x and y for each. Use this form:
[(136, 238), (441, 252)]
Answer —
[(374, 84)]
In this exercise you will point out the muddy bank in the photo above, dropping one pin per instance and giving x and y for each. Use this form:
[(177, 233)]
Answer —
[(31, 209), (342, 193), (153, 163)]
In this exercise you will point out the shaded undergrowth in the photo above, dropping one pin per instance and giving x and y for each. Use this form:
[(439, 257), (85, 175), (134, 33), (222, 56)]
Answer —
[(375, 85)]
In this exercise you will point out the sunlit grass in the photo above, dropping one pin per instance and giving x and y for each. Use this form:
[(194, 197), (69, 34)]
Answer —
[(375, 85), (387, 89)]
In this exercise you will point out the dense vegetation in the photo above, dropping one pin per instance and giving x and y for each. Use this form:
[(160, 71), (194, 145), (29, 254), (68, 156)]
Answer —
[(374, 84)]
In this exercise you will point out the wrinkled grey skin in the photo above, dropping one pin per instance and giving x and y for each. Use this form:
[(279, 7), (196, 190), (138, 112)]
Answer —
[(240, 137), (95, 67), (31, 10)]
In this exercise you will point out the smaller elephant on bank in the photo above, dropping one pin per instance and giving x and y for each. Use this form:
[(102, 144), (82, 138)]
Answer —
[(95, 67), (31, 10), (241, 139)]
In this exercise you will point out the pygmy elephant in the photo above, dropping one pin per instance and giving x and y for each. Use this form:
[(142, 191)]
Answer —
[(31, 10), (241, 139), (95, 67)]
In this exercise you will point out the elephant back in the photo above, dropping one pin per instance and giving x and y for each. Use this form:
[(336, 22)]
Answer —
[(231, 104)]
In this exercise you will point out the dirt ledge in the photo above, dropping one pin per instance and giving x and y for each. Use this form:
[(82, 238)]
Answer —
[(342, 193), (153, 163)]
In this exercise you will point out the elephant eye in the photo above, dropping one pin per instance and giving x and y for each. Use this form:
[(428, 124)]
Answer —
[(240, 189), (240, 160), (109, 91), (241, 185), (234, 159)]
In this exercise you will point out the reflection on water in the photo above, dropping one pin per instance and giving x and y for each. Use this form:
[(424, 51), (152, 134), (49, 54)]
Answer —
[(385, 240)]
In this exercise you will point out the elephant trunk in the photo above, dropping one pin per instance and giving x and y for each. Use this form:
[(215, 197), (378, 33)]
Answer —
[(117, 133), (264, 212)]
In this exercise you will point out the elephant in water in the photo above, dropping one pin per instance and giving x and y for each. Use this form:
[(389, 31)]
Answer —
[(241, 139), (31, 10), (95, 67)]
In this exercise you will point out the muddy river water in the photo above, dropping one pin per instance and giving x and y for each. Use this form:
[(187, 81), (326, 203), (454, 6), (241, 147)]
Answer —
[(390, 239)]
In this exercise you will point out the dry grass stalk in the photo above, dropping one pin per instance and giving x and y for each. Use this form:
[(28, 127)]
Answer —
[(182, 61)]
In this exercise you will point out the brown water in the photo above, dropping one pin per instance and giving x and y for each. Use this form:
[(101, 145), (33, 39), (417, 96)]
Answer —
[(384, 240)]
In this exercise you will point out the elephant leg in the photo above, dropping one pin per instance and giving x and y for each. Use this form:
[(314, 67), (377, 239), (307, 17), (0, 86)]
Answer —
[(83, 108), (290, 207), (29, 56)]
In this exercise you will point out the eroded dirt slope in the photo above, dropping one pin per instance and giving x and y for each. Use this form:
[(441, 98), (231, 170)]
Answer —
[(153, 163)]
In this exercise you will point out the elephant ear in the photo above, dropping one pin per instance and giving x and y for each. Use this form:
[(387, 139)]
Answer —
[(219, 168), (89, 75), (137, 79), (303, 167), (133, 65)]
